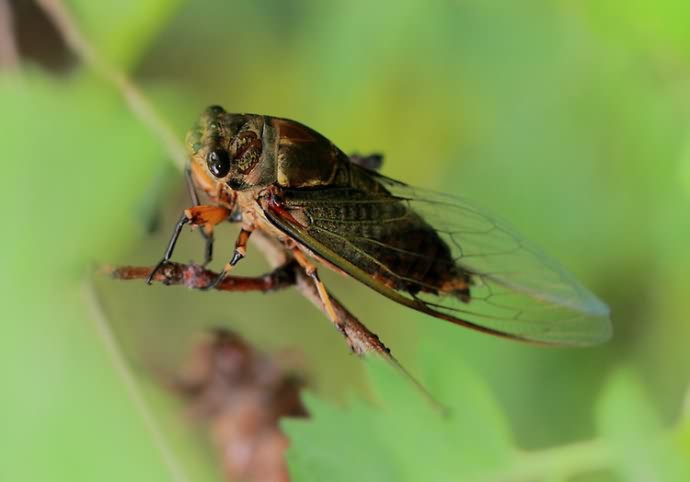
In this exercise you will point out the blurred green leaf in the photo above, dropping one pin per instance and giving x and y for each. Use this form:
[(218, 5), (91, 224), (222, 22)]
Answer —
[(70, 165), (641, 449), (403, 437), (660, 26), (75, 162)]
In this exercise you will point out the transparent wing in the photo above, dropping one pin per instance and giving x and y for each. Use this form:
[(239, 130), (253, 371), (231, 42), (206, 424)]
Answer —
[(515, 290)]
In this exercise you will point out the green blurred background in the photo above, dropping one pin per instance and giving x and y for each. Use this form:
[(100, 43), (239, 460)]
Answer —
[(568, 118)]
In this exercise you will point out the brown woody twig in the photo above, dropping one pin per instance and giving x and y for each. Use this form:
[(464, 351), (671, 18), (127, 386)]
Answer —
[(196, 276), (360, 339)]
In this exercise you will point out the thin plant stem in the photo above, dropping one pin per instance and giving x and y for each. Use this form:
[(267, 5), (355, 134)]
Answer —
[(123, 371)]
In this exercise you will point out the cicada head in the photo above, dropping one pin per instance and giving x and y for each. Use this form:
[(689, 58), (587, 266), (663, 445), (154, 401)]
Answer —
[(226, 150)]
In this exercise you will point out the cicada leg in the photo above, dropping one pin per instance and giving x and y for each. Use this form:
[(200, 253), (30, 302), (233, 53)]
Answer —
[(239, 253), (207, 236), (204, 216), (312, 272), (207, 231)]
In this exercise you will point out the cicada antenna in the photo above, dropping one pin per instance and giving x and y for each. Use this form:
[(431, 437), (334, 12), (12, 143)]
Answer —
[(439, 407)]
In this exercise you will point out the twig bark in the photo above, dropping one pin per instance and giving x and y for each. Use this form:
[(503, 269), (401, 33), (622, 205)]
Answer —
[(9, 58), (196, 276), (358, 337)]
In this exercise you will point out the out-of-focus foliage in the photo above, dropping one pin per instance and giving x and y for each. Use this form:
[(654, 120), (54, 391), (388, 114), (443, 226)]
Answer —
[(640, 449), (405, 438), (568, 118), (61, 402)]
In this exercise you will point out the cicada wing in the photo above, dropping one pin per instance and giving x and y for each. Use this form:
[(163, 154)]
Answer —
[(512, 289)]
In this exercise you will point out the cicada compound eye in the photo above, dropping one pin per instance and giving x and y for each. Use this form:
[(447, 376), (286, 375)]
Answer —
[(218, 162)]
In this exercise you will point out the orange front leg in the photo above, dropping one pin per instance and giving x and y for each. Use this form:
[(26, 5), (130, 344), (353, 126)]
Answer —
[(205, 217), (226, 199)]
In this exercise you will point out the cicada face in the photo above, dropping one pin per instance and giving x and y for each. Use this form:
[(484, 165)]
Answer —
[(227, 151)]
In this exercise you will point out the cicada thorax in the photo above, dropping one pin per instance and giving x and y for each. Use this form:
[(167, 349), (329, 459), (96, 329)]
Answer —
[(304, 158)]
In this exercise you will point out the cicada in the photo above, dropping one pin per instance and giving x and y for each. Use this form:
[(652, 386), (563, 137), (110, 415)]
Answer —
[(432, 252)]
